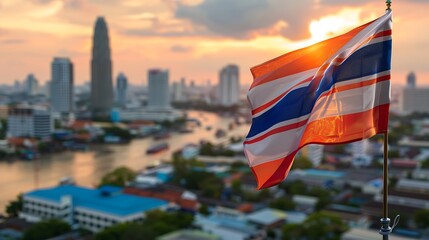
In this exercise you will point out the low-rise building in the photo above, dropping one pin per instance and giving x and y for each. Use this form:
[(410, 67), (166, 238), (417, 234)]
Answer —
[(267, 218), (416, 186), (92, 209), (149, 114), (29, 122), (184, 199), (318, 178), (229, 225)]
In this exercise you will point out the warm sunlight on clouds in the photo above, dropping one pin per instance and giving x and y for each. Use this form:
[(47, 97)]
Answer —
[(193, 38), (332, 25)]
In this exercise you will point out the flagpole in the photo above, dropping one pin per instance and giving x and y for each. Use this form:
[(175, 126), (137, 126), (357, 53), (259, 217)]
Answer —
[(385, 221)]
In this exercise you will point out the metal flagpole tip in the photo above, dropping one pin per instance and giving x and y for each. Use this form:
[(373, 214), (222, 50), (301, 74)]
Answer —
[(388, 4)]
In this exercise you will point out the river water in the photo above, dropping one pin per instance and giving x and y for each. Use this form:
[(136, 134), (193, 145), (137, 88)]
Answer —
[(87, 168)]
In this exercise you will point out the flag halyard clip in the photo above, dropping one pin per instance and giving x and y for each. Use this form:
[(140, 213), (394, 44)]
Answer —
[(385, 225)]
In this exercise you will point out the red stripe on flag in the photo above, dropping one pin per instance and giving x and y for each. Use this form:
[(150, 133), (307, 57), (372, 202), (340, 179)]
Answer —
[(331, 130), (302, 59)]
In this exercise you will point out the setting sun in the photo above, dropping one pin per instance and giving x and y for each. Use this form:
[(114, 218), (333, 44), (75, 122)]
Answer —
[(332, 25)]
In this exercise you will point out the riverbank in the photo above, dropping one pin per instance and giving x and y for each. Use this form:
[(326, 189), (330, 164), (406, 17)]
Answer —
[(88, 167)]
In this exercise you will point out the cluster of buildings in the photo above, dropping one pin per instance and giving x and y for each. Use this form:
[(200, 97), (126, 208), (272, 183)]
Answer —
[(413, 98), (101, 100)]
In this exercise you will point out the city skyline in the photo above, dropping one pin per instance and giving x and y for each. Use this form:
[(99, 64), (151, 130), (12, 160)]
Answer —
[(181, 36)]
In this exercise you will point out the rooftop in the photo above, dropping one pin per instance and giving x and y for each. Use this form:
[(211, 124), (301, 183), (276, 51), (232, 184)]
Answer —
[(189, 235), (267, 216), (409, 184), (321, 173), (367, 234), (118, 204)]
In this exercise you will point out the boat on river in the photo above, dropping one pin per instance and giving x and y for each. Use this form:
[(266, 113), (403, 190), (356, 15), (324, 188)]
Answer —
[(157, 148)]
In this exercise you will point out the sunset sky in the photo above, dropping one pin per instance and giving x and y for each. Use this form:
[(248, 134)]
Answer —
[(195, 38)]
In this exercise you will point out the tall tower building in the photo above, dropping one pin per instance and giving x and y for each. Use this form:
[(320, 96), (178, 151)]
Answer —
[(62, 85), (101, 71), (159, 97), (229, 85), (121, 89), (413, 97), (31, 85), (411, 80)]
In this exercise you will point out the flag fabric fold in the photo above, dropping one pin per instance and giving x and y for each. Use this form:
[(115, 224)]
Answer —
[(335, 91)]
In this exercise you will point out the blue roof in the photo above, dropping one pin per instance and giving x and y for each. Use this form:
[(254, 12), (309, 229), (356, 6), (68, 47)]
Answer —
[(119, 204), (324, 173)]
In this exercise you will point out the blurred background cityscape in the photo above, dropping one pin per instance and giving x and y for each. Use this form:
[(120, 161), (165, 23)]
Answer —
[(159, 155)]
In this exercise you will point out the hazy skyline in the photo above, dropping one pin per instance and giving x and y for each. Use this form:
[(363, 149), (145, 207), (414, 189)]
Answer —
[(194, 38)]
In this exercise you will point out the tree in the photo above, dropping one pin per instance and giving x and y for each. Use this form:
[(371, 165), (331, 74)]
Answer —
[(46, 229), (119, 132), (114, 232), (394, 154), (3, 129), (212, 186), (236, 186), (296, 187), (207, 149), (204, 210), (283, 204), (302, 163), (14, 207), (155, 224), (118, 177), (421, 217), (235, 166), (425, 163), (318, 226)]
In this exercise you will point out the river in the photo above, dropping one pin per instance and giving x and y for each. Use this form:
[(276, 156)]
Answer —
[(87, 168)]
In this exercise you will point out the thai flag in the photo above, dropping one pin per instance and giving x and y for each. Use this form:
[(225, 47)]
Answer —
[(335, 91)]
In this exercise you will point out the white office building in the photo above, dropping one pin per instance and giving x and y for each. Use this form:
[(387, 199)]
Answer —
[(159, 95), (229, 86), (91, 209), (62, 86), (29, 122)]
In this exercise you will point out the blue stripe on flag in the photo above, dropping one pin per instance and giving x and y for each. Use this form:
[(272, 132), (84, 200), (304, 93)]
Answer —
[(366, 61)]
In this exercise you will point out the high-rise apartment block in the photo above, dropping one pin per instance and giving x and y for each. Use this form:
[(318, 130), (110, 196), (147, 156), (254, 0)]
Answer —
[(159, 97), (62, 86), (229, 86), (121, 89), (31, 85), (414, 98)]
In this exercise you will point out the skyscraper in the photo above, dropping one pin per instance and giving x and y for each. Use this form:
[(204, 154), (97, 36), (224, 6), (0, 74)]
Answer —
[(413, 97), (229, 85), (411, 80), (101, 71), (159, 97), (62, 85), (121, 89), (31, 85)]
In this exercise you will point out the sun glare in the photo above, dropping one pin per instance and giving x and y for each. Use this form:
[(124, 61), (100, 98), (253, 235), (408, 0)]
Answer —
[(332, 25)]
